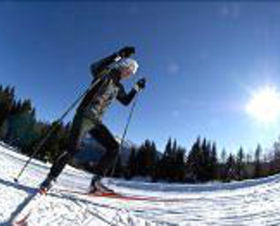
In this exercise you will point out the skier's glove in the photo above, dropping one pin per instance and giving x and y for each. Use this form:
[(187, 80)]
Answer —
[(126, 51), (140, 84)]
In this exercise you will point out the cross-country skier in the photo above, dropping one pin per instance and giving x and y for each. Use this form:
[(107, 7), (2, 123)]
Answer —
[(88, 118)]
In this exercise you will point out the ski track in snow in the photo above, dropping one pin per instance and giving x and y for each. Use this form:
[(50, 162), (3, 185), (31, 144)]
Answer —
[(252, 202)]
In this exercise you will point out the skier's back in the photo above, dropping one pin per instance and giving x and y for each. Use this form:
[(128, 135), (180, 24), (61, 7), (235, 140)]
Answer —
[(107, 74)]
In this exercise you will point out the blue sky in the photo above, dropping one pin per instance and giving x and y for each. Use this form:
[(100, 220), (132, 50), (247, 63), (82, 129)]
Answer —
[(201, 60)]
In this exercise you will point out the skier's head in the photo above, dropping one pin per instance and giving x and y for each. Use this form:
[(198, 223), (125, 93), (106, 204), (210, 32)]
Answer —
[(126, 67)]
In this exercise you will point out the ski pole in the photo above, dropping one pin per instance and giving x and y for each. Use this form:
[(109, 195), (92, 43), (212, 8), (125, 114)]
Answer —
[(124, 135), (53, 128)]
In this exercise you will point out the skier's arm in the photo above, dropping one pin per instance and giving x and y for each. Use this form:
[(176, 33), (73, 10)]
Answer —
[(125, 98), (100, 67)]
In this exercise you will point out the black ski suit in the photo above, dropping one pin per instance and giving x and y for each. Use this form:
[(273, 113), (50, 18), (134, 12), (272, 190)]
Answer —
[(89, 114)]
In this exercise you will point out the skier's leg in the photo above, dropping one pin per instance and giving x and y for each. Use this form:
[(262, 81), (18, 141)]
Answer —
[(80, 126), (107, 140)]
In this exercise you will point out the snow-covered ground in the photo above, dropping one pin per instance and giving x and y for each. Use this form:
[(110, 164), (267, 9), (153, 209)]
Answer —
[(254, 202)]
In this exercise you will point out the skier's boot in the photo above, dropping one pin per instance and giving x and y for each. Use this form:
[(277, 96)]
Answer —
[(96, 186), (47, 184)]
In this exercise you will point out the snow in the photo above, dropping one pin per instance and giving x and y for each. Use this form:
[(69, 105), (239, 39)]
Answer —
[(252, 202)]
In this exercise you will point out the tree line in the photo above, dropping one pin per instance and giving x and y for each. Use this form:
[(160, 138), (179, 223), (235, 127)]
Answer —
[(200, 164), (19, 127)]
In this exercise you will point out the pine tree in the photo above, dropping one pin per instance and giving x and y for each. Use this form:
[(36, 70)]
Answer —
[(131, 165), (146, 158), (21, 121), (194, 162), (19, 127), (154, 163), (224, 156), (222, 165), (275, 160), (171, 166), (163, 165), (213, 163), (6, 103), (230, 168), (257, 163), (204, 161), (240, 171), (180, 165)]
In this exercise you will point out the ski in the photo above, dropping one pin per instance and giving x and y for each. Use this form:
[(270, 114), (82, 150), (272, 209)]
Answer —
[(116, 195)]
